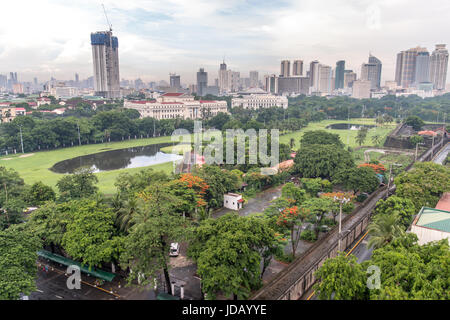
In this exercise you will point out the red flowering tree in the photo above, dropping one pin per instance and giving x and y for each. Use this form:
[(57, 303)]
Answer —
[(378, 168)]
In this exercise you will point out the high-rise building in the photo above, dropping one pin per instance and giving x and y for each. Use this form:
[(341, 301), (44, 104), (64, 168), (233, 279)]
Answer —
[(349, 77), (377, 62), (339, 74), (233, 78), (297, 68), (202, 82), (361, 89), (271, 83), (422, 72), (105, 56), (223, 78), (77, 78), (405, 69), (175, 81), (254, 79), (314, 76), (438, 66), (285, 68), (325, 76)]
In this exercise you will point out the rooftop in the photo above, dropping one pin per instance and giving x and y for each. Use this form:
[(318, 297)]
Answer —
[(434, 219), (172, 94), (444, 202)]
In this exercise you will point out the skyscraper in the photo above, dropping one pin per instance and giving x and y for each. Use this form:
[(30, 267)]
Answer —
[(339, 77), (377, 62), (438, 66), (313, 76), (202, 82), (175, 81), (285, 68), (422, 72), (297, 68), (223, 78), (325, 75), (405, 69), (105, 56), (254, 79), (349, 78)]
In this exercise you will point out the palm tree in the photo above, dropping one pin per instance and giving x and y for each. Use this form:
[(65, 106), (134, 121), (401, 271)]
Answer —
[(376, 139), (126, 213), (292, 143), (383, 229), (361, 136)]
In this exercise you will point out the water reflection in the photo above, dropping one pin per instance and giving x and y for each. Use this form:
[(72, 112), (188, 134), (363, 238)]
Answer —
[(117, 159), (346, 126)]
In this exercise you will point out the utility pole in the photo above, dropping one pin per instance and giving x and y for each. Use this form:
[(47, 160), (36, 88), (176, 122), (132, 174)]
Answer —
[(78, 129), (21, 138), (443, 131), (390, 173)]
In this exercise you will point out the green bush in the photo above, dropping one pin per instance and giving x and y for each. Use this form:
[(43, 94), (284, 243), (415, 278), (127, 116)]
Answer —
[(361, 197), (308, 235)]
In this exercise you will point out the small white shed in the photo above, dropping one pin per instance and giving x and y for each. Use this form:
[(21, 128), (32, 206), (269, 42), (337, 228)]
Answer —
[(233, 201)]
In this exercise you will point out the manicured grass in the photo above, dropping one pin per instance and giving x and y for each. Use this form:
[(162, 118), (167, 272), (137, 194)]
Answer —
[(34, 167), (345, 135)]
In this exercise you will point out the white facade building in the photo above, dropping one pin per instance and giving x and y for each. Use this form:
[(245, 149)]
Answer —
[(233, 201), (177, 105), (256, 101)]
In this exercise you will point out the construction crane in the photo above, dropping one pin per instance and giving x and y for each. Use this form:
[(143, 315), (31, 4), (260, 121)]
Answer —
[(107, 20)]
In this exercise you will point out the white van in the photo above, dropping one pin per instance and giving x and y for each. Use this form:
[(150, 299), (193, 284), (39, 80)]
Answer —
[(174, 249)]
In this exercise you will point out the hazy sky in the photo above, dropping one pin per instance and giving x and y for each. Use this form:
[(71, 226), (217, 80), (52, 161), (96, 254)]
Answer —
[(52, 38)]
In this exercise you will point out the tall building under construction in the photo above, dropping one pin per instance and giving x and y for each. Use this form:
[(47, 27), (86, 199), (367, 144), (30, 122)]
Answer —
[(105, 56)]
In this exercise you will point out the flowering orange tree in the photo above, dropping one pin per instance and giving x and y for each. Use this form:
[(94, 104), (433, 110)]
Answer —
[(191, 190), (378, 168)]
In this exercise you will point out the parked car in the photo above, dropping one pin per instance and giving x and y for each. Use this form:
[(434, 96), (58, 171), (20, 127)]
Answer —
[(174, 249)]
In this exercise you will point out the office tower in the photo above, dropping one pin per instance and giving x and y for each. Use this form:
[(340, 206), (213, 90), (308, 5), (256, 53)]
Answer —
[(325, 75), (297, 68), (422, 72), (405, 69), (285, 68), (233, 78), (271, 83), (35, 81), (438, 66), (339, 76), (349, 77), (174, 81), (202, 82), (361, 89), (77, 78), (313, 76), (293, 85), (3, 81), (105, 56), (254, 79), (223, 78), (377, 62)]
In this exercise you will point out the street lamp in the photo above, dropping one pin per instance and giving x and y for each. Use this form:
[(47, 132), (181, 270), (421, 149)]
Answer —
[(390, 172), (342, 200)]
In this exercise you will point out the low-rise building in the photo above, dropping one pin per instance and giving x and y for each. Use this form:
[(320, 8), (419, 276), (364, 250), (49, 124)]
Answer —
[(256, 101), (176, 105), (233, 201)]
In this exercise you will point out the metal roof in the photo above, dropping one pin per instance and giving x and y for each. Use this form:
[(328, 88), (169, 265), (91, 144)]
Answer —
[(434, 219)]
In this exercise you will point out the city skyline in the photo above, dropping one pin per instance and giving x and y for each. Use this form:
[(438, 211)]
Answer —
[(160, 39)]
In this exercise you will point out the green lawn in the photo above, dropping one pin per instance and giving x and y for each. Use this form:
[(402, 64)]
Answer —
[(346, 135), (34, 167)]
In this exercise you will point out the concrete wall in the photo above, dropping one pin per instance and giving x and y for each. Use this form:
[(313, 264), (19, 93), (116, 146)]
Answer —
[(426, 235)]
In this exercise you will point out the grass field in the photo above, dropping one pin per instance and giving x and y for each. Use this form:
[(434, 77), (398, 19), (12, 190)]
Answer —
[(34, 167), (346, 135)]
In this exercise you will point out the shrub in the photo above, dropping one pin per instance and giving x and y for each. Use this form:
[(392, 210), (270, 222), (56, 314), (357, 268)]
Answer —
[(308, 235)]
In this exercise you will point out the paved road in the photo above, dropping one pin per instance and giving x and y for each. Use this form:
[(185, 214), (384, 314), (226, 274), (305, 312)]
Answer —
[(442, 155)]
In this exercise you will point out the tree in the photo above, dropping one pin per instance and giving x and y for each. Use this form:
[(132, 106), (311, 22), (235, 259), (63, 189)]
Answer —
[(18, 255), (129, 184), (411, 272), (291, 191), (361, 135), (360, 179), (39, 193), (90, 234), (229, 251), (424, 184), (155, 227), (79, 185), (292, 143), (316, 209), (376, 138), (395, 205), (320, 137), (11, 197), (341, 278), (383, 229), (314, 161), (415, 122)]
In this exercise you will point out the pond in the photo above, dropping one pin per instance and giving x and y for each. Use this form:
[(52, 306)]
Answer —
[(346, 126), (134, 157)]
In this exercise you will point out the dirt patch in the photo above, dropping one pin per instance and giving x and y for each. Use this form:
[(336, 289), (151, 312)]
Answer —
[(26, 155), (8, 159)]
